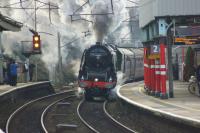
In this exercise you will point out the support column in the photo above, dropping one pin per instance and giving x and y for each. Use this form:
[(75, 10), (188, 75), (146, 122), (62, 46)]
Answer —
[(158, 87), (153, 81), (27, 67), (145, 68), (148, 75), (163, 94), (1, 61)]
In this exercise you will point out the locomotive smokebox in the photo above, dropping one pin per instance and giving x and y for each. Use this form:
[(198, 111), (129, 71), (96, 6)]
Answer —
[(98, 43)]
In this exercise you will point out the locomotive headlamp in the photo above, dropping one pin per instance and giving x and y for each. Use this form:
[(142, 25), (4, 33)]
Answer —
[(82, 78), (110, 79), (96, 79)]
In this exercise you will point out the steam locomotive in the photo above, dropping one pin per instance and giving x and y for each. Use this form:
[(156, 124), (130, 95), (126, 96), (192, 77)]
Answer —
[(100, 67)]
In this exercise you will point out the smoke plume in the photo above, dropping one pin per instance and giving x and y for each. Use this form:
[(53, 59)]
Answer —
[(113, 14), (60, 21)]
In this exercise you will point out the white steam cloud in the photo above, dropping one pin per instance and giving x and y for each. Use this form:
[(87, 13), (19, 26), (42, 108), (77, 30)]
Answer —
[(103, 26)]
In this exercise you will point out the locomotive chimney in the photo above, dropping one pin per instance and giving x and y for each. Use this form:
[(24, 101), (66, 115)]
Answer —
[(98, 43)]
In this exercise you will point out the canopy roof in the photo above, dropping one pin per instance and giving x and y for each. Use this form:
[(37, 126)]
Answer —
[(8, 24)]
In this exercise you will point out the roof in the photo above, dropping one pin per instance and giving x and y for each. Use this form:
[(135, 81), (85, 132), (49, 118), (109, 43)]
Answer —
[(150, 9), (125, 51), (9, 24), (136, 52)]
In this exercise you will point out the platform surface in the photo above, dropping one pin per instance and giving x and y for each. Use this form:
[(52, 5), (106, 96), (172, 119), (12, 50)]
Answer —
[(184, 105), (7, 88)]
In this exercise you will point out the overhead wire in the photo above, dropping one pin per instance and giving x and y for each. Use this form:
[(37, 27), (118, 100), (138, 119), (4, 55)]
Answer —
[(29, 16), (15, 3)]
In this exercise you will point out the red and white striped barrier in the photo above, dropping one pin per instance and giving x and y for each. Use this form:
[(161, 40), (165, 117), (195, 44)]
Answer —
[(155, 74)]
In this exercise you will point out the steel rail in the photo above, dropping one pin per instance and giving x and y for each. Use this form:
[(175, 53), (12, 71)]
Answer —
[(47, 108), (115, 121), (81, 118), (25, 105)]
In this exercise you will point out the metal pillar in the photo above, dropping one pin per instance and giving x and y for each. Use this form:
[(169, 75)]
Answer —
[(169, 56), (1, 60), (27, 73), (36, 72), (59, 60), (35, 3)]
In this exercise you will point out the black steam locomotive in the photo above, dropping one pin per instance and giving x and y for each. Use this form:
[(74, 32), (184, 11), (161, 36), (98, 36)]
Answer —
[(100, 65)]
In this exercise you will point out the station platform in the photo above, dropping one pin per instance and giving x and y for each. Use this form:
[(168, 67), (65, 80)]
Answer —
[(7, 88), (184, 106)]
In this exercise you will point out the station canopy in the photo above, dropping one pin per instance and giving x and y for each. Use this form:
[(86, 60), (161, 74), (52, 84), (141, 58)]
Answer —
[(8, 24)]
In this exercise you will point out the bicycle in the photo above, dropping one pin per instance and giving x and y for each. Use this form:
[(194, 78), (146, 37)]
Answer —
[(193, 85)]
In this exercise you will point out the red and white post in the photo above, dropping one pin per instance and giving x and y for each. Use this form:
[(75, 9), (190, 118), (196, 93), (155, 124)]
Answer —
[(163, 93), (153, 81), (157, 72), (145, 70)]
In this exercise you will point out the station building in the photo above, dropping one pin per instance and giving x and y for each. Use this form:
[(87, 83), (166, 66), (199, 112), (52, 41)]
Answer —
[(169, 27)]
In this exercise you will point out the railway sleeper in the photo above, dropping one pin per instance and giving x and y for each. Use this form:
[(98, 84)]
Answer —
[(62, 105), (64, 127)]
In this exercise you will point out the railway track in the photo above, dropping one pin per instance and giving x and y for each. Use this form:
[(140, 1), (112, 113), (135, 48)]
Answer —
[(95, 117), (27, 118), (51, 111), (61, 117)]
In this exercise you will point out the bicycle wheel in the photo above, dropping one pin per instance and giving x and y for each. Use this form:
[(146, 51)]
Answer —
[(192, 88)]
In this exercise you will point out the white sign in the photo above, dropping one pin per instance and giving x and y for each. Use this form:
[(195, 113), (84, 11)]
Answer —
[(155, 49)]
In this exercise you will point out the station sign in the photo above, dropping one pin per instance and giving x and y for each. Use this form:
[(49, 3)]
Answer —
[(187, 40), (187, 35), (154, 52), (155, 49)]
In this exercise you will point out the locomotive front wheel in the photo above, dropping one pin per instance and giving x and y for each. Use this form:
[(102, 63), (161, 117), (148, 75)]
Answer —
[(88, 96), (110, 96)]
